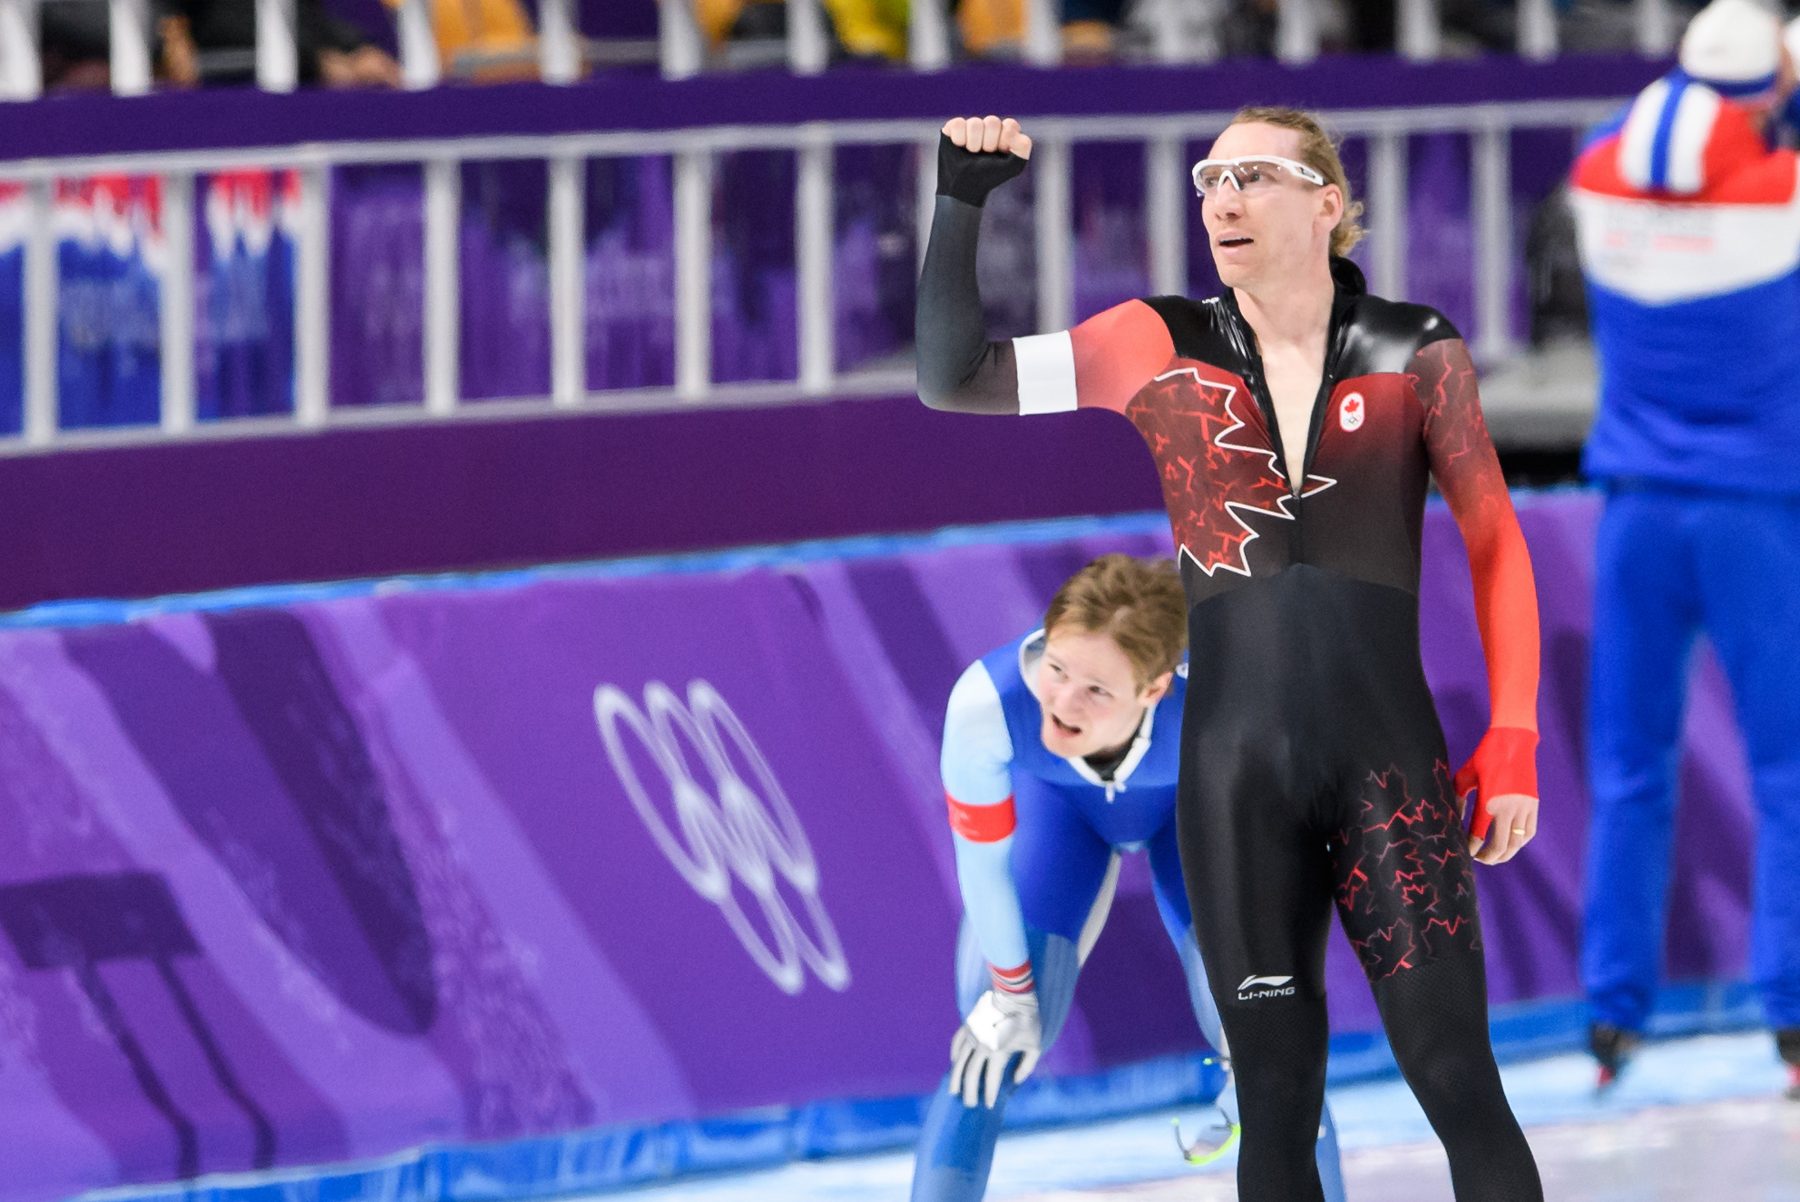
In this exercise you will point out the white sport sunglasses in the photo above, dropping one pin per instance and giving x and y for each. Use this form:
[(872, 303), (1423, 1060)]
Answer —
[(1250, 172)]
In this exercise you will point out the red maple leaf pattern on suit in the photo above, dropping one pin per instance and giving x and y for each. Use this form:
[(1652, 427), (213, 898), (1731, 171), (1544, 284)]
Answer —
[(1217, 463), (1404, 886)]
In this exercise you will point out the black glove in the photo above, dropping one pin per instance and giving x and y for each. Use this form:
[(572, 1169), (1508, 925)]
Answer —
[(969, 175)]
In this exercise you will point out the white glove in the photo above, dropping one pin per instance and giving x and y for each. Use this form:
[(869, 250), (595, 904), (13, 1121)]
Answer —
[(1001, 1026)]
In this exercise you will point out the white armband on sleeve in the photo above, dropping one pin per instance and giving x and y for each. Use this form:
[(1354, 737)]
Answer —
[(1046, 365)]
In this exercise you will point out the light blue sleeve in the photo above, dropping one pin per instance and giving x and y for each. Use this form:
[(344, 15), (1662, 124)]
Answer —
[(976, 765)]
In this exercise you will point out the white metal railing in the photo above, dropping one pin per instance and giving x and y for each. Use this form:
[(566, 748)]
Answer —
[(277, 49), (1169, 219), (683, 51)]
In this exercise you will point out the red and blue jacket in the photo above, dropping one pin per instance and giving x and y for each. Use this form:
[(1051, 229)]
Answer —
[(1689, 228)]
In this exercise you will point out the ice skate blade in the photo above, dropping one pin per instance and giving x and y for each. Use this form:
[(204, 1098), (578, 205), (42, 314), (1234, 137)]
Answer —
[(1202, 1151)]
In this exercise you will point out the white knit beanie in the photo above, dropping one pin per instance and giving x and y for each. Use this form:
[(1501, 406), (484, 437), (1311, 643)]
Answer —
[(1733, 46)]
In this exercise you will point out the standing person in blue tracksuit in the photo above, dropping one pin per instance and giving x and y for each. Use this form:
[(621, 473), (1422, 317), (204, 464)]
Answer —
[(1060, 754), (1689, 228)]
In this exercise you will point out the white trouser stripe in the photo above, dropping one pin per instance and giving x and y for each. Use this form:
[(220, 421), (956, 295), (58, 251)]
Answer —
[(1046, 365)]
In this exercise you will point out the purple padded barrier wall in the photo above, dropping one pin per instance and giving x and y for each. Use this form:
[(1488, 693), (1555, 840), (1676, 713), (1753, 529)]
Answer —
[(325, 881), (376, 502)]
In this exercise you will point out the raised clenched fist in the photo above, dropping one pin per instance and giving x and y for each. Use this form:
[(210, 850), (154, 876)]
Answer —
[(987, 135), (978, 154)]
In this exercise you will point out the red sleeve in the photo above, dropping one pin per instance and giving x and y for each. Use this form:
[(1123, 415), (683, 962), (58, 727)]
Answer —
[(1467, 470), (1117, 352)]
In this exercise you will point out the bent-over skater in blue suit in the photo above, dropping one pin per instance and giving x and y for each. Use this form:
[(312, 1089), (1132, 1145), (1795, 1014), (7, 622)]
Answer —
[(1060, 755)]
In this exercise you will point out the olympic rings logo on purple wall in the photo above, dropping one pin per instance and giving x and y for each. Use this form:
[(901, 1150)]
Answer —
[(734, 831)]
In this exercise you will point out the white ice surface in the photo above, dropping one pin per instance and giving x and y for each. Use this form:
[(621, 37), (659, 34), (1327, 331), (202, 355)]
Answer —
[(1691, 1119)]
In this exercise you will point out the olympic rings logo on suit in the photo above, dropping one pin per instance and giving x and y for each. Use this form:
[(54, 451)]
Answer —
[(732, 831)]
